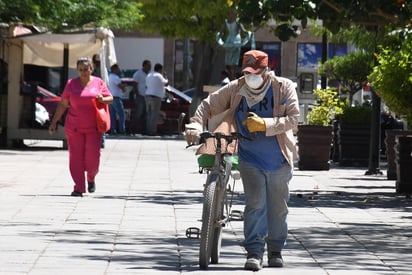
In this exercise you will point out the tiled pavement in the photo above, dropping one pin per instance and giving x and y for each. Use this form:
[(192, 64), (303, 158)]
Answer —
[(149, 191)]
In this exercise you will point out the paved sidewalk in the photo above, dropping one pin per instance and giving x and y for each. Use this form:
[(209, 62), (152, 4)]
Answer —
[(149, 191)]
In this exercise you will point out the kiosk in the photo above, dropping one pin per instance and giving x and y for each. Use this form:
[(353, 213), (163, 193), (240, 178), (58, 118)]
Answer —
[(47, 50)]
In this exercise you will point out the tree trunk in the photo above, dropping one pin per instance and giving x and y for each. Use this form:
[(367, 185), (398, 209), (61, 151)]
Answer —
[(204, 61)]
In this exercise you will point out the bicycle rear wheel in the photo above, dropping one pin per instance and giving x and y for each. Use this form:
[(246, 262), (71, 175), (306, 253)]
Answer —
[(208, 221)]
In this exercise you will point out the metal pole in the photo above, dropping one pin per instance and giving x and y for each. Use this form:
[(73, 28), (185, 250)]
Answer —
[(374, 145), (324, 58), (186, 64), (375, 133), (65, 75)]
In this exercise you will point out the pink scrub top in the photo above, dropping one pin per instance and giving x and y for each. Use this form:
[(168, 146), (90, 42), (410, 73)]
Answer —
[(81, 114)]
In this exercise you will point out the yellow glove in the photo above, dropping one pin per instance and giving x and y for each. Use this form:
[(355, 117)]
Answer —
[(192, 133), (254, 123), (192, 136)]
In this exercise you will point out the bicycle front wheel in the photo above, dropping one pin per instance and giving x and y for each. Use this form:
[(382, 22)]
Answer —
[(209, 215), (217, 234)]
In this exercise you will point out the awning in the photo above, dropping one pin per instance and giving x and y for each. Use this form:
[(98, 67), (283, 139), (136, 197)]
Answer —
[(46, 49)]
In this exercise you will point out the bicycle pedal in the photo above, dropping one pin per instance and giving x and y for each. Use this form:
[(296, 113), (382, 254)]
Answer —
[(235, 174), (236, 215), (222, 223), (193, 233)]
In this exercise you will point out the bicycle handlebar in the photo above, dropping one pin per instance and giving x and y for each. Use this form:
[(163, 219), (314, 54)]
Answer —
[(229, 138)]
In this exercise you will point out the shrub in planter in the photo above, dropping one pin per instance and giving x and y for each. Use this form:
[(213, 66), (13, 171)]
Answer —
[(355, 115), (315, 138), (354, 135), (328, 106)]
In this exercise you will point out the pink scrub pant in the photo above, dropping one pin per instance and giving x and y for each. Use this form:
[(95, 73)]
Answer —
[(84, 156)]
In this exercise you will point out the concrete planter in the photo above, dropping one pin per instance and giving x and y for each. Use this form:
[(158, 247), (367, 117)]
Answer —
[(404, 164), (390, 142), (353, 143), (314, 143)]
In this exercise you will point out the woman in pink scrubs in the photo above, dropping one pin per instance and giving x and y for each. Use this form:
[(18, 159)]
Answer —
[(84, 141)]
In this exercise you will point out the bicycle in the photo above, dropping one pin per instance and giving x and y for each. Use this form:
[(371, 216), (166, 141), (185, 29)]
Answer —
[(216, 205)]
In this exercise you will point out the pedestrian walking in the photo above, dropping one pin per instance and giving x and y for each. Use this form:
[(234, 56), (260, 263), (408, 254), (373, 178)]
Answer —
[(155, 92), (83, 138), (264, 108)]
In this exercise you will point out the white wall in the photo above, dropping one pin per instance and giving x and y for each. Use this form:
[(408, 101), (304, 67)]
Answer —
[(131, 51)]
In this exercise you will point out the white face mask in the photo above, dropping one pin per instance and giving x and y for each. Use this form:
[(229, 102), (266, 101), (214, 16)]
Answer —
[(254, 81)]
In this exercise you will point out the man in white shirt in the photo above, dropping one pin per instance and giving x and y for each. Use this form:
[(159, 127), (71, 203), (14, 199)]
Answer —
[(139, 90), (116, 87), (155, 91), (224, 76)]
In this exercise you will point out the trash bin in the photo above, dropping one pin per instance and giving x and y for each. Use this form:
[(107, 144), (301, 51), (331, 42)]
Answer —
[(404, 164), (390, 141)]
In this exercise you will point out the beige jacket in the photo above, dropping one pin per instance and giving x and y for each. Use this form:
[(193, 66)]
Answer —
[(222, 105)]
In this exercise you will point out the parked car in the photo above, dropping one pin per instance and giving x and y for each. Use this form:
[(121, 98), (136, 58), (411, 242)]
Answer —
[(48, 100), (173, 112), (41, 115), (45, 104)]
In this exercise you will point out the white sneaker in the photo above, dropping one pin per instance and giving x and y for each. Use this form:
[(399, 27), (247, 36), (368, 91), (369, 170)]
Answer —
[(254, 263)]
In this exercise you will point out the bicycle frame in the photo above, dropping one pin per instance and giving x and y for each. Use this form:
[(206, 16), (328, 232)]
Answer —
[(223, 162)]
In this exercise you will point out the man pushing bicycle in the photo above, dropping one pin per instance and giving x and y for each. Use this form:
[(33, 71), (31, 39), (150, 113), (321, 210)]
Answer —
[(264, 108)]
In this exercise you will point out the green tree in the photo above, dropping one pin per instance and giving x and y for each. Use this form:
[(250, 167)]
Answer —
[(201, 19), (392, 78), (350, 70), (186, 19), (257, 14), (59, 15), (334, 14)]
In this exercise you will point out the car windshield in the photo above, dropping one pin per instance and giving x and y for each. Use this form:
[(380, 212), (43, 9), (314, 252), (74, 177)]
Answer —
[(179, 93), (45, 93)]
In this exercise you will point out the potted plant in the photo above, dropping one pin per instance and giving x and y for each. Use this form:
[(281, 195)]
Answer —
[(353, 135), (353, 125), (315, 138), (391, 79)]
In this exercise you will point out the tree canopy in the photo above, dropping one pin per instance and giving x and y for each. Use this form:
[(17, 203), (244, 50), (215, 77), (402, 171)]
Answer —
[(370, 14), (392, 78), (59, 15), (182, 19), (202, 19), (350, 70)]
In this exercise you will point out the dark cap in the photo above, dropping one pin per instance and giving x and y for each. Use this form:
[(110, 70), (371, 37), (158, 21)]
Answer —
[(254, 61)]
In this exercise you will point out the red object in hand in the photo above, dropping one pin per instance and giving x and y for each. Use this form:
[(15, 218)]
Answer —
[(102, 116)]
